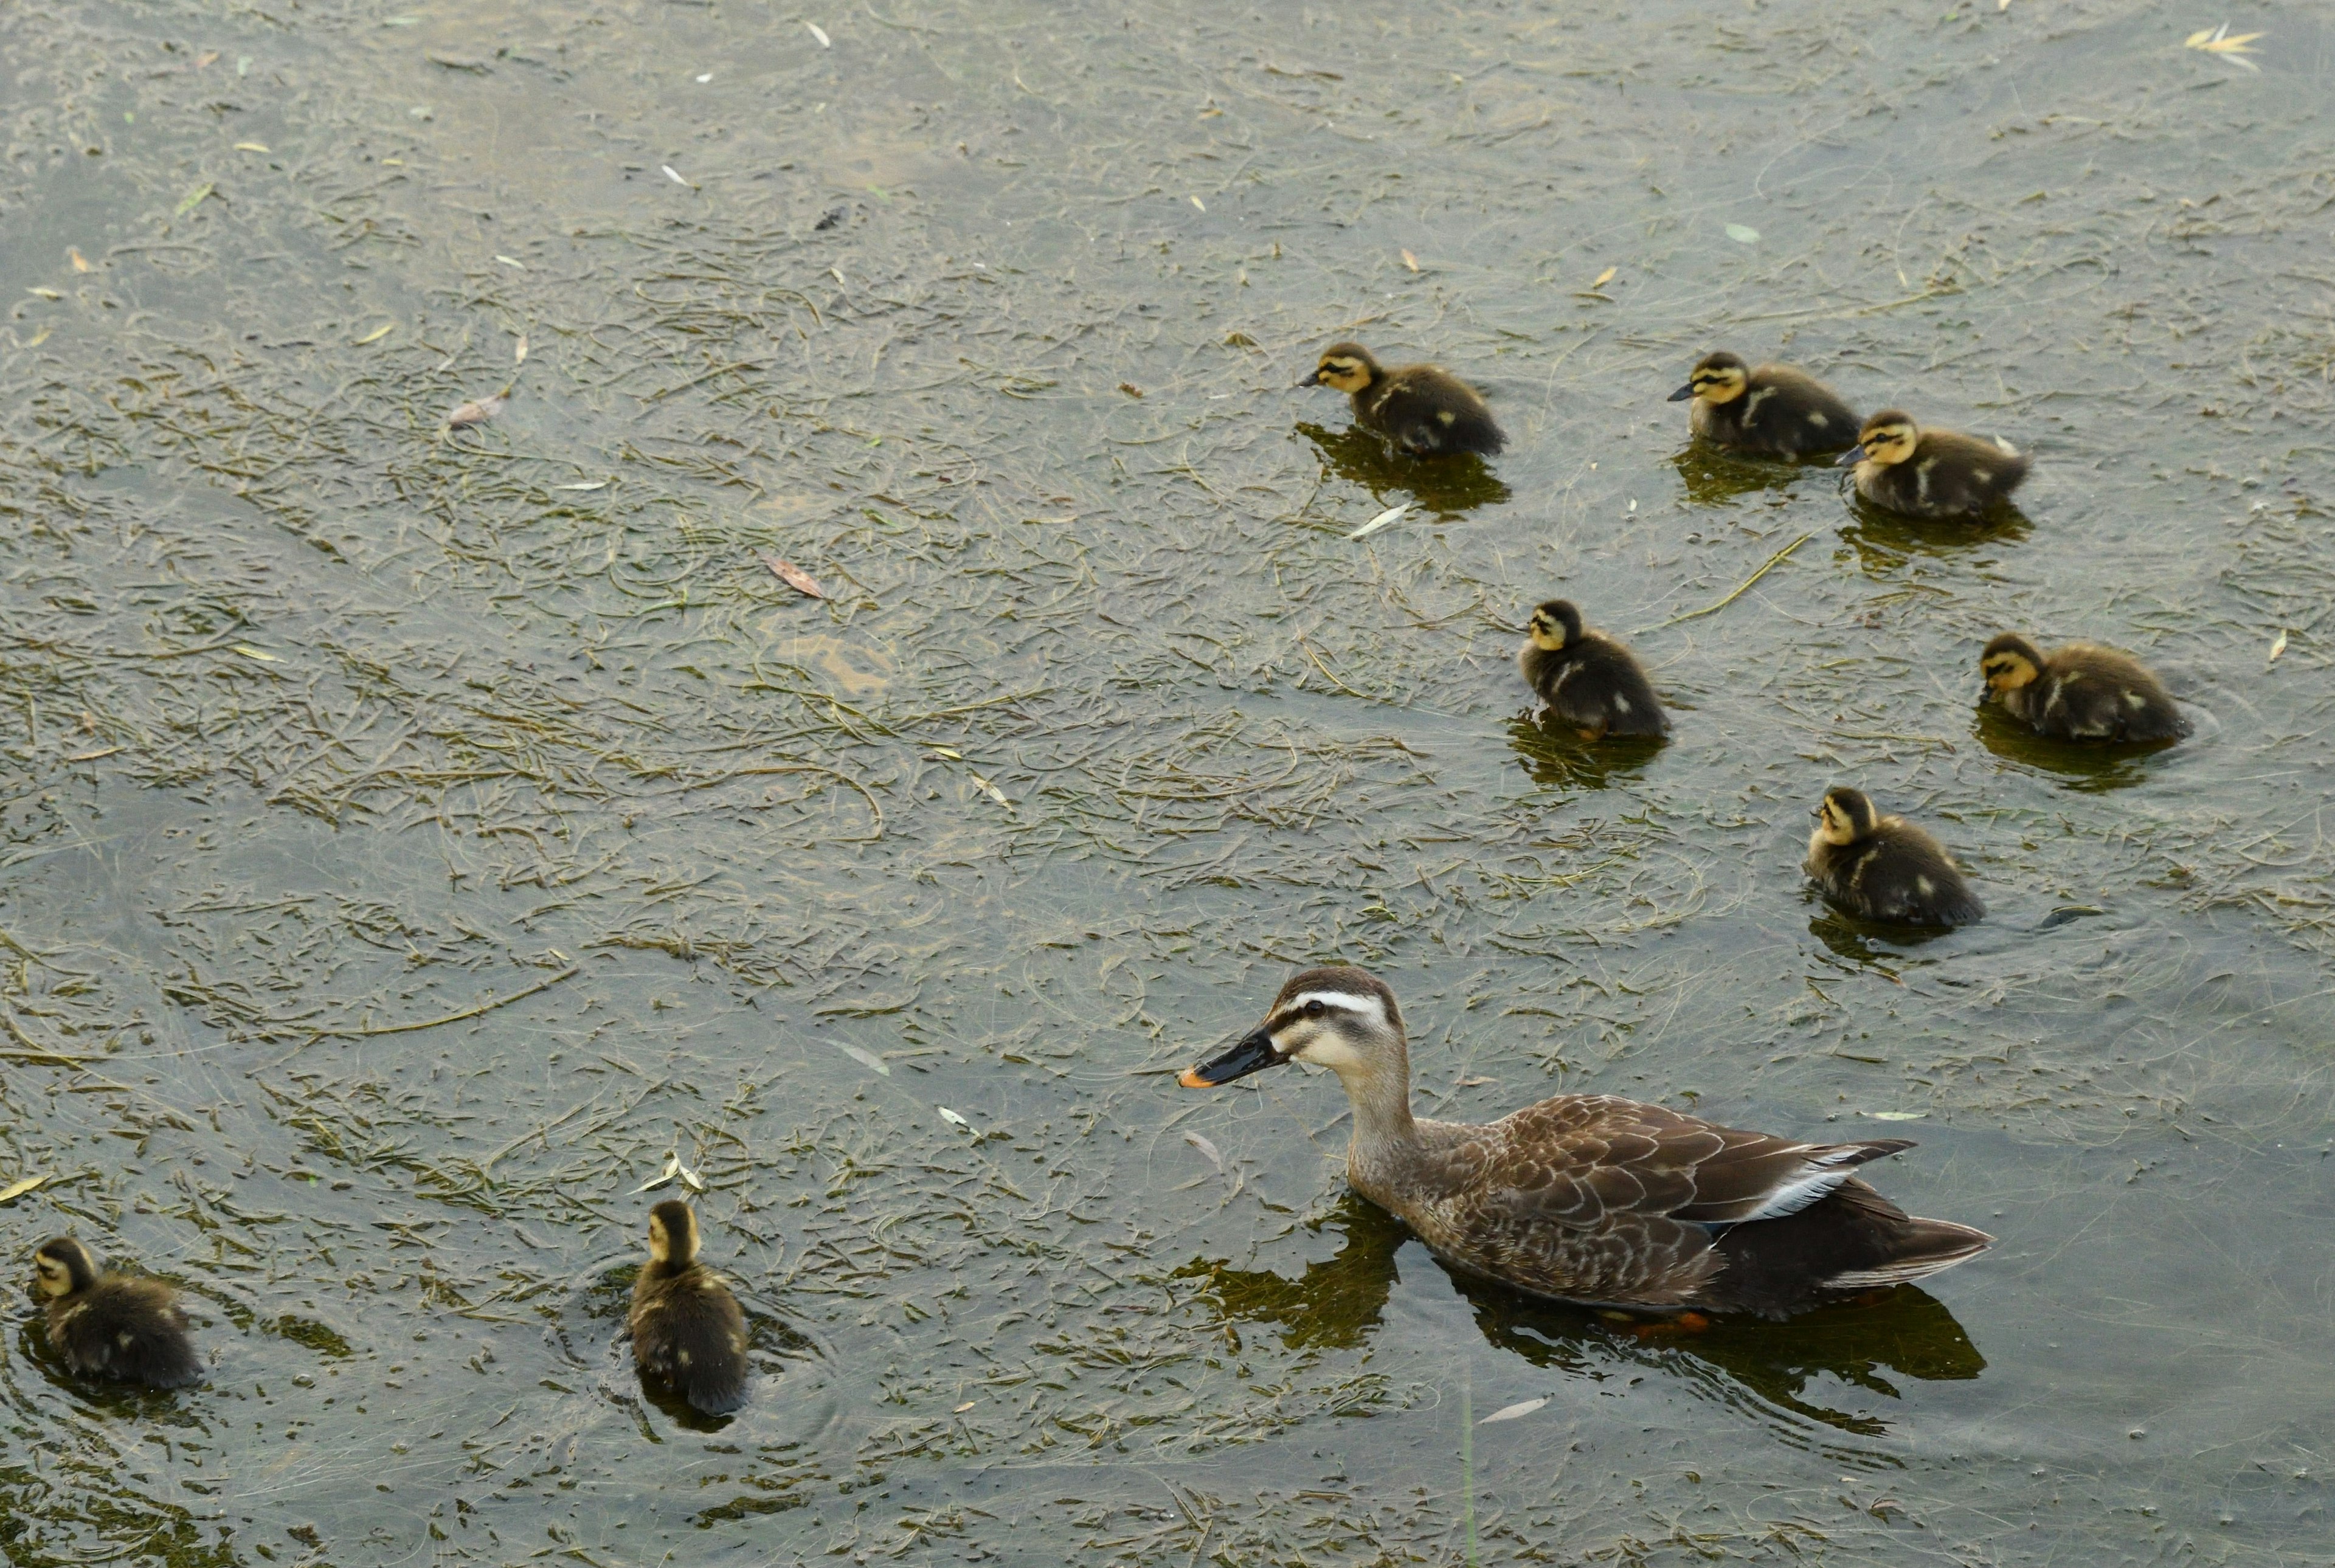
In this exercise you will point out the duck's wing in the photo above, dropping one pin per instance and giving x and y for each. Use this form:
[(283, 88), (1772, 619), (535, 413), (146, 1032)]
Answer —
[(1592, 1162)]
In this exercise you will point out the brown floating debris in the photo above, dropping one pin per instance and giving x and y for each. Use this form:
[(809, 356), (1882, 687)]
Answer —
[(1410, 261), (794, 576), (80, 262), (1130, 389), (477, 411)]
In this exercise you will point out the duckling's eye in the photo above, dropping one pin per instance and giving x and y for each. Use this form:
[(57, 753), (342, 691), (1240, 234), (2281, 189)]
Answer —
[(1314, 1009)]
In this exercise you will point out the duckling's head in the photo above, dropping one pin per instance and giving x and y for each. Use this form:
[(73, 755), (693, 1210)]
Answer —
[(1555, 625), (1348, 366), (62, 1266), (2009, 663), (1340, 1018), (1846, 816), (673, 1234), (1717, 378), (1888, 437)]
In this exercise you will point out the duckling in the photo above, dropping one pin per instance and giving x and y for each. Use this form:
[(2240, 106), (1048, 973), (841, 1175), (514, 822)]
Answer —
[(1931, 473), (687, 1330), (1883, 868), (2083, 691), (1423, 409), (1587, 679), (117, 1326), (1594, 1198), (1777, 411)]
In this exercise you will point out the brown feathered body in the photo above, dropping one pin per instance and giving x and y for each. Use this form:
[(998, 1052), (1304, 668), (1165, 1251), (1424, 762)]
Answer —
[(1949, 475), (118, 1326), (1423, 409), (1593, 684), (1594, 1198), (1890, 870), (1782, 413), (2083, 692), (687, 1329)]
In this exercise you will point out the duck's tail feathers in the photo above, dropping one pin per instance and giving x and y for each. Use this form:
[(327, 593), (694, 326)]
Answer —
[(1923, 1248)]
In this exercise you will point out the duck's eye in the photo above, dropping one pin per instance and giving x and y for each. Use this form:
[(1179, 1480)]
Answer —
[(1314, 1009)]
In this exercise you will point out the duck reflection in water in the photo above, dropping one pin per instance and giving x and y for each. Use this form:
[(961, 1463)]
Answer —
[(1450, 486), (1556, 757), (1885, 541), (2087, 767), (1895, 1334)]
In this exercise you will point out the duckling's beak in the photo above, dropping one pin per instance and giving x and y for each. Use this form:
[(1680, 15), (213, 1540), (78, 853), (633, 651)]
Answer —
[(1849, 459), (1313, 379), (1253, 1054), (1683, 393)]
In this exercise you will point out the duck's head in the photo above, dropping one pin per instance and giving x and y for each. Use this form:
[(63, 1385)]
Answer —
[(1888, 437), (1347, 366), (1717, 378), (61, 1267), (673, 1234), (1555, 623), (2009, 663), (1846, 816), (1341, 1018)]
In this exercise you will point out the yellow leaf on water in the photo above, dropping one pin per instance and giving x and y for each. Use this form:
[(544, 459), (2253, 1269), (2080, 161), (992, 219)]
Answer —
[(15, 1190), (203, 60), (376, 334), (80, 262), (250, 653), (961, 1409), (518, 354), (193, 200), (1605, 278), (1511, 1412), (1195, 201), (820, 33), (40, 337), (1410, 261), (251, 147), (2276, 649), (44, 293)]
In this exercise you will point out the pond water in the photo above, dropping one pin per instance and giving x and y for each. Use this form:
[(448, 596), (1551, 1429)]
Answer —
[(412, 838)]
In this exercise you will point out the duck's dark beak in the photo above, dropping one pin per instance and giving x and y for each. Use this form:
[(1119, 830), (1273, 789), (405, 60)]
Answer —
[(1849, 459), (1683, 393), (1255, 1053), (1313, 379)]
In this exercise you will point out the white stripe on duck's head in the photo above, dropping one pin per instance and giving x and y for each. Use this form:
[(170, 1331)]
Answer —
[(1341, 1018)]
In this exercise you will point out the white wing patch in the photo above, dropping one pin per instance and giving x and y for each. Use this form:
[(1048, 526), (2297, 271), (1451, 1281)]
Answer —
[(1823, 1173)]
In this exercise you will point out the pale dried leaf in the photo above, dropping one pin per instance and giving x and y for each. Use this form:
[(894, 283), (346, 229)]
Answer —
[(1205, 1147), (512, 262), (1516, 1411), (1899, 1115), (671, 174), (44, 293), (866, 1059), (80, 262), (961, 1409), (2276, 648), (1195, 201), (1410, 261), (992, 791), (377, 334), (1605, 278), (519, 352), (476, 413), (820, 33), (250, 653), (205, 58), (1742, 234), (1381, 521), (952, 1117), (794, 576), (594, 485), (17, 1189), (251, 147)]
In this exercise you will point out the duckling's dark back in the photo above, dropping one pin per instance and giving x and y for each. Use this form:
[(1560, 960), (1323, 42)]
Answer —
[(689, 1333), (1594, 684), (1428, 412), (2087, 692), (1950, 475), (127, 1329), (1783, 412), (1896, 873)]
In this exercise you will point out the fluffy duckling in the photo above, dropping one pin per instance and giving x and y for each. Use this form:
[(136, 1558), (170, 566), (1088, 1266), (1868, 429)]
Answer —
[(1587, 679), (1423, 409), (2083, 691), (116, 1326), (1594, 1198), (687, 1330), (1883, 868), (1776, 410), (1931, 473)]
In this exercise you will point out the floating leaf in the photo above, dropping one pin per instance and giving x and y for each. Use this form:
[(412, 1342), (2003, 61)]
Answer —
[(670, 173), (1897, 1114), (594, 485), (1205, 1147), (1195, 201), (519, 353), (205, 58), (949, 753), (520, 265), (377, 334), (251, 147), (820, 33), (251, 652), (793, 576), (994, 793), (80, 262), (193, 200), (952, 1117), (477, 411), (40, 337), (672, 1170), (2276, 648), (689, 1178), (1606, 276), (1516, 1411), (1410, 261), (704, 78), (1742, 234), (864, 1057), (17, 1189), (1381, 521), (961, 1409), (44, 293)]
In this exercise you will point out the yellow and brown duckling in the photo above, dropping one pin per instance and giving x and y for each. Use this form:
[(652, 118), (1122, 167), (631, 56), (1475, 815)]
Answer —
[(1423, 409), (107, 1325), (1928, 473), (1777, 411), (687, 1330), (1881, 867), (2083, 691), (1589, 680)]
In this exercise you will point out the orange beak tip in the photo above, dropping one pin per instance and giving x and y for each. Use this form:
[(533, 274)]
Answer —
[(1191, 1078)]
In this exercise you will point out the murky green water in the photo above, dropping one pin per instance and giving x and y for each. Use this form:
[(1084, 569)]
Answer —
[(407, 845)]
